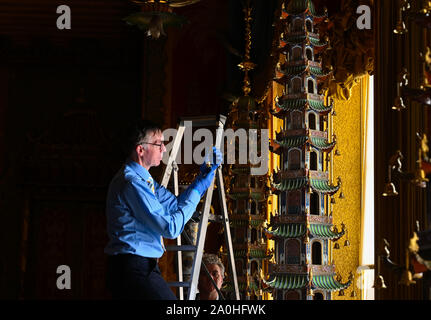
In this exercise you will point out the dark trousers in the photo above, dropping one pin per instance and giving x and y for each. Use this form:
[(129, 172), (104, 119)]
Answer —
[(134, 277)]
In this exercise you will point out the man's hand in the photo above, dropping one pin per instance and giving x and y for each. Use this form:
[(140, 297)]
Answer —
[(212, 161), (208, 168)]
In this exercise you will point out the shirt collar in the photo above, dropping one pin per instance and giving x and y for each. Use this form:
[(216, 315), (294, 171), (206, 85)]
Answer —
[(138, 169)]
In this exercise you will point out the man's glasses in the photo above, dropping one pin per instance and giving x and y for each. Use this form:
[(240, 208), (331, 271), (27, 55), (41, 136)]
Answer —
[(155, 144)]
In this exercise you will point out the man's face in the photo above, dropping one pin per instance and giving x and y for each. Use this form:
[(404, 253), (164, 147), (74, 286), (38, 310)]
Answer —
[(152, 154), (205, 284)]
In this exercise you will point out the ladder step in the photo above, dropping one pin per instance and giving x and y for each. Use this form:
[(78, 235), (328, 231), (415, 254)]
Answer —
[(184, 247), (179, 284)]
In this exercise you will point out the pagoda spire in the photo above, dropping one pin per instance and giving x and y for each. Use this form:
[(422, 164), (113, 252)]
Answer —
[(247, 193), (246, 65)]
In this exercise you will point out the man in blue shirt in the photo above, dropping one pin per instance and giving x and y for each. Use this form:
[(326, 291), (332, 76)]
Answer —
[(140, 213)]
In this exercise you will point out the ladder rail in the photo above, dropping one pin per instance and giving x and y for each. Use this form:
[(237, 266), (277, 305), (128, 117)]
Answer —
[(228, 238), (179, 253), (172, 165), (203, 225), (225, 215), (172, 157)]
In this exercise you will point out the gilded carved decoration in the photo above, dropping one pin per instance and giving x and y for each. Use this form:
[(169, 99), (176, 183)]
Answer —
[(156, 15), (351, 52)]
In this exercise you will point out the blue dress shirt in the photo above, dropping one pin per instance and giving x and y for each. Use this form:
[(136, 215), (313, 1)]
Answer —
[(137, 217)]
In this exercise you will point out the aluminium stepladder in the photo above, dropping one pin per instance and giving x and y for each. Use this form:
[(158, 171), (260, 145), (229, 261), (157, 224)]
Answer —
[(202, 121)]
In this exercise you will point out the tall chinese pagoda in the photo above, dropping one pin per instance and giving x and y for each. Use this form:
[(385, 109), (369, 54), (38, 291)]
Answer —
[(247, 193), (302, 229), (247, 207)]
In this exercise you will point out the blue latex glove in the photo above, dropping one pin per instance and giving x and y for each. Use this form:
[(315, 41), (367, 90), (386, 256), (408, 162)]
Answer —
[(202, 182), (212, 161), (204, 179)]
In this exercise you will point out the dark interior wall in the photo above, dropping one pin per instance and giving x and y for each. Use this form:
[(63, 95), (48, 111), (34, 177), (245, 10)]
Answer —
[(262, 24), (199, 66), (40, 93), (65, 96)]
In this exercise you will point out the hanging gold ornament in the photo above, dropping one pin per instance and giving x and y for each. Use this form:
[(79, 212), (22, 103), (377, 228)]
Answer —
[(390, 190), (379, 283), (399, 104), (347, 242)]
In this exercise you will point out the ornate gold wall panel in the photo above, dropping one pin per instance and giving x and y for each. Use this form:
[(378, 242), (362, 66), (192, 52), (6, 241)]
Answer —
[(347, 127)]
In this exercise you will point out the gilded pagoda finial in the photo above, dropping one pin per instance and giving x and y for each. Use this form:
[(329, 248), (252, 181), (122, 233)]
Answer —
[(247, 65)]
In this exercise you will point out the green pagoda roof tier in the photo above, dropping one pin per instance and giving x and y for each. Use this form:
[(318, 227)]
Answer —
[(319, 106), (328, 283), (291, 184), (325, 282), (297, 230), (254, 253), (291, 104), (317, 185), (243, 193), (285, 105), (317, 43), (323, 186), (323, 231), (291, 230), (285, 72), (259, 254), (317, 71), (297, 7), (238, 223), (245, 223), (292, 142), (288, 281), (301, 37), (321, 144)]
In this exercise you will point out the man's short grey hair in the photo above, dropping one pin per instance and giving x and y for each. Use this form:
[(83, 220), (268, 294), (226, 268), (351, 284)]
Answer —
[(210, 258), (137, 133)]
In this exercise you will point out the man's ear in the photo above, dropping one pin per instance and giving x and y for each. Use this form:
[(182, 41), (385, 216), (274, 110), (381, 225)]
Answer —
[(139, 149)]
